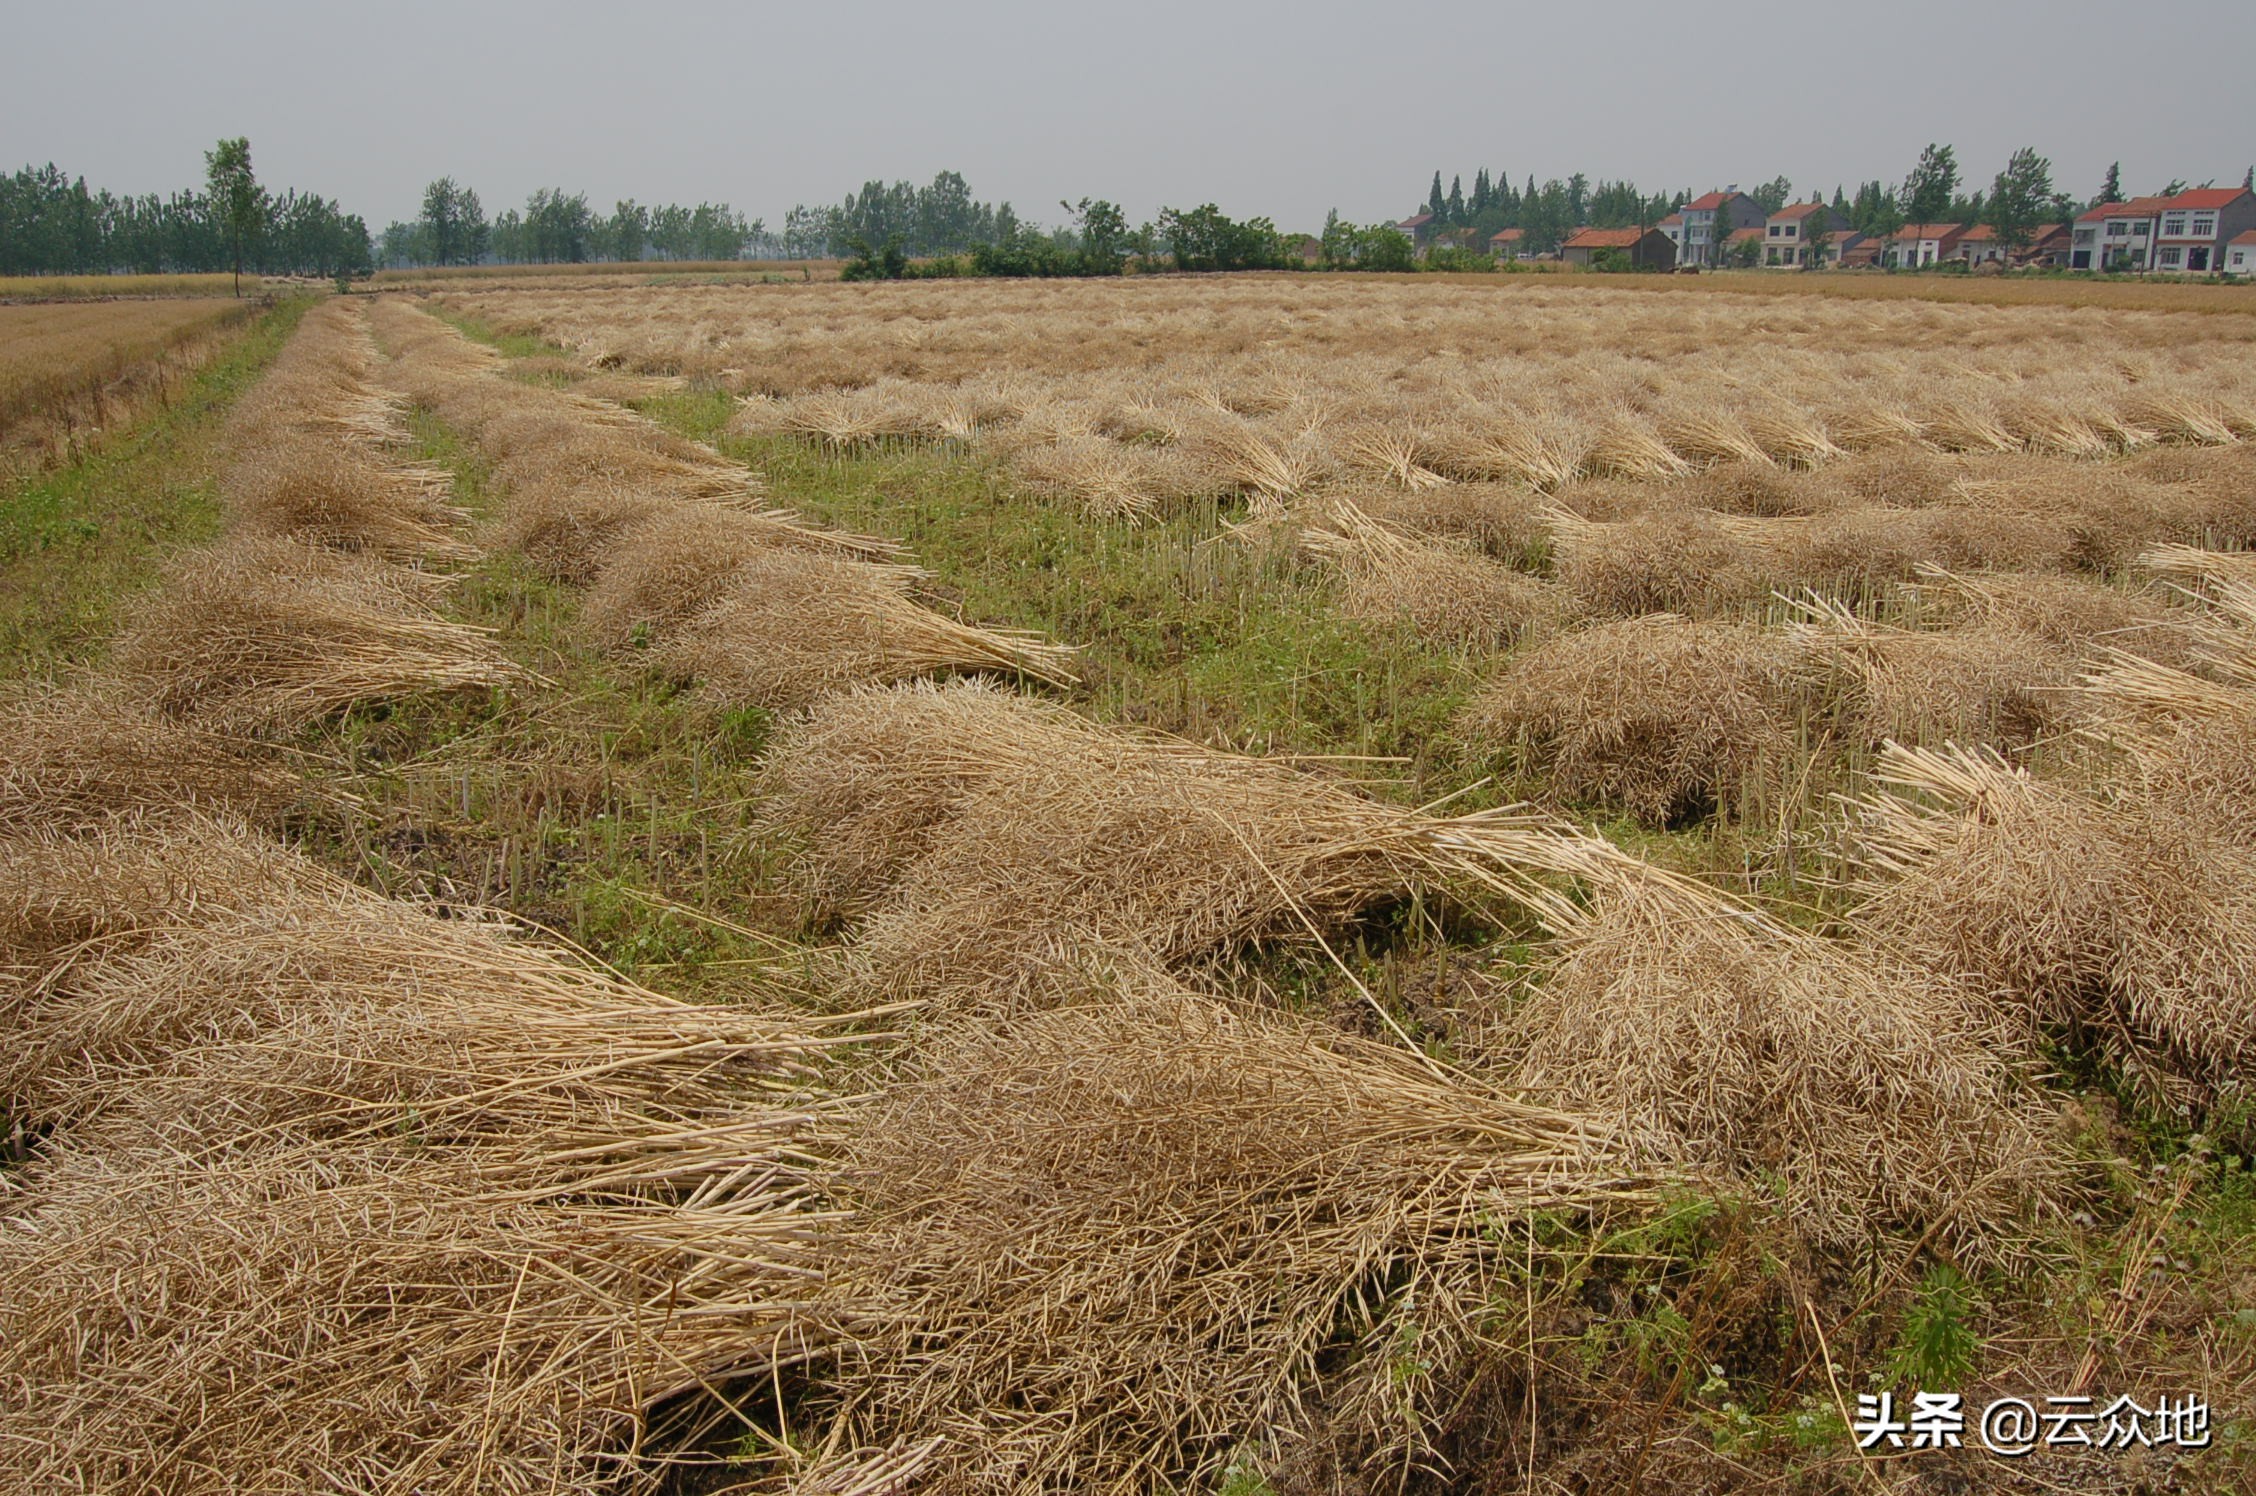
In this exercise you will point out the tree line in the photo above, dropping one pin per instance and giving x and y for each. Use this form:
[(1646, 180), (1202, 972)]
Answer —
[(52, 223), (556, 227)]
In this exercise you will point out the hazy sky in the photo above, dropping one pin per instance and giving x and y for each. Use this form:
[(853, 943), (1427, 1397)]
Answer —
[(1277, 110)]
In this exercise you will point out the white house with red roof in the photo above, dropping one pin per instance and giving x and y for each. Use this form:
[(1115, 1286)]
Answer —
[(2186, 233), (1418, 229), (2240, 255), (2197, 227), (1699, 240), (1802, 236), (1509, 244)]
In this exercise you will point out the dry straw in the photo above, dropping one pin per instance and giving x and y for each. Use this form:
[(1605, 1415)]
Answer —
[(791, 626), (68, 758), (2122, 922), (1661, 717), (275, 634), (1859, 1091), (988, 843), (1441, 592), (341, 1194), (1117, 1246)]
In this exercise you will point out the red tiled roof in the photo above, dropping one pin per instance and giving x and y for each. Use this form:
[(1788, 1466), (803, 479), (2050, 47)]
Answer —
[(1741, 236), (1418, 222), (1605, 239), (2248, 237), (1930, 231), (1797, 210), (2203, 197), (1673, 218), (2137, 207), (1507, 236), (1708, 202)]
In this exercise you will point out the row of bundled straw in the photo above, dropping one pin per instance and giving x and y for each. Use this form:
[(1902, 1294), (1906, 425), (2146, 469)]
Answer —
[(333, 1193), (315, 600), (994, 853), (679, 553), (2116, 912), (1481, 565), (1665, 717), (308, 1189)]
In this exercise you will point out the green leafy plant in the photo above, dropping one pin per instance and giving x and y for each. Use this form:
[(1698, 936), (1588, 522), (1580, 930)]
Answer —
[(1936, 1344)]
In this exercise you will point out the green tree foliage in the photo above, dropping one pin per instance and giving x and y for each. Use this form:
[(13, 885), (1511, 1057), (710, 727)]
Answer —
[(1204, 238), (1929, 191), (236, 200), (2111, 190), (559, 228), (1773, 194), (2020, 199), (1378, 246), (453, 227), (626, 233), (941, 219), (53, 224)]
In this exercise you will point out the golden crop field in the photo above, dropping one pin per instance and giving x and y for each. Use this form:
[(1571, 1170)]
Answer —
[(107, 287), (1250, 885), (69, 365)]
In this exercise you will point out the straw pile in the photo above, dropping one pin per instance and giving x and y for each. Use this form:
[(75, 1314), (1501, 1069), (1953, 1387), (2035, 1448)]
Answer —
[(2121, 923), (1859, 1090), (275, 634), (1991, 683), (1663, 718), (1662, 561), (337, 1194), (310, 460), (74, 757), (1114, 1246), (989, 842), (667, 537), (791, 626), (1441, 592)]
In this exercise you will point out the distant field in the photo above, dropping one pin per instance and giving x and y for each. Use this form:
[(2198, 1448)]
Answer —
[(91, 287), (65, 366), (646, 270)]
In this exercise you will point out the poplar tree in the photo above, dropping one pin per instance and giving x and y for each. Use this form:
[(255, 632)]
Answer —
[(235, 199)]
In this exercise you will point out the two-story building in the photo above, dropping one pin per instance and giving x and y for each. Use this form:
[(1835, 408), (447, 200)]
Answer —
[(1708, 221), (1802, 236), (2186, 233), (1419, 230), (2197, 227)]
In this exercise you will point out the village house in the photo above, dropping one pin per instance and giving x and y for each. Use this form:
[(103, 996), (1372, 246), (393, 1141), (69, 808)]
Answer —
[(2240, 255), (1419, 230), (2115, 236), (1801, 235), (1735, 242), (1698, 241), (1918, 244), (2187, 233), (1673, 226), (1642, 249), (1509, 244), (2197, 227), (1980, 245)]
